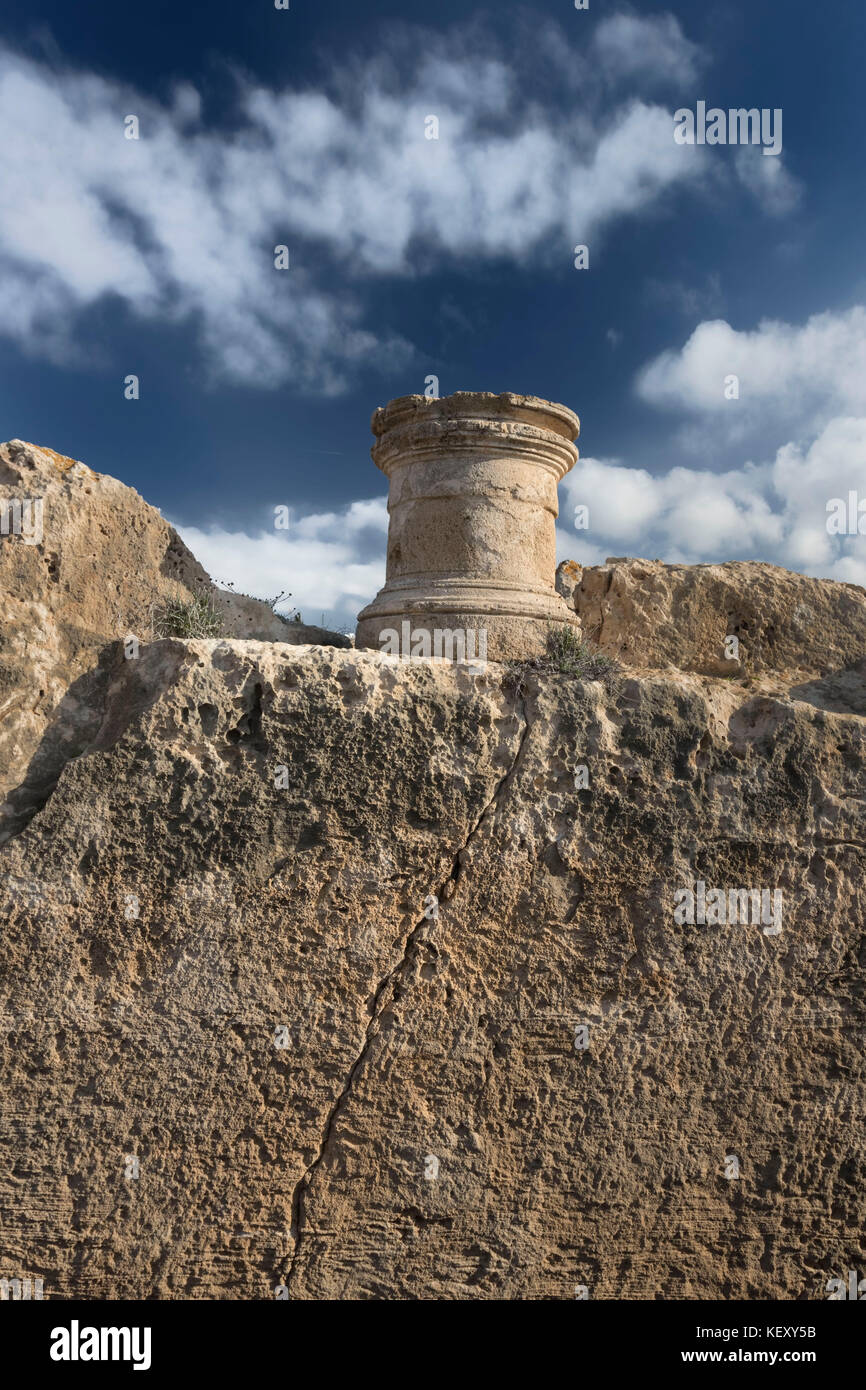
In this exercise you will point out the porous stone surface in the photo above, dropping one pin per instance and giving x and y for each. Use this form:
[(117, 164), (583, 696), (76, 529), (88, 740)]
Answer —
[(104, 562), (312, 934), (650, 614), (568, 576), (472, 506)]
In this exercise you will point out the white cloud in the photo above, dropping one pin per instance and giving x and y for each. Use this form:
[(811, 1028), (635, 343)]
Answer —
[(331, 562), (816, 369), (772, 184), (181, 224), (808, 381), (775, 511), (628, 45)]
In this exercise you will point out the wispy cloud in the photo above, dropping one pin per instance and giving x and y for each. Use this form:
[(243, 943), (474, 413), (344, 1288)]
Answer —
[(181, 224)]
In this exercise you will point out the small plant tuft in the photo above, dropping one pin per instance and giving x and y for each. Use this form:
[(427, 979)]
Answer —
[(188, 618), (271, 602), (570, 655), (567, 654)]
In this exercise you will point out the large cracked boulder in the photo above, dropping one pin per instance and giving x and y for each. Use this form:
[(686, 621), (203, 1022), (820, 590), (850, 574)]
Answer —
[(649, 614), (363, 979), (86, 566)]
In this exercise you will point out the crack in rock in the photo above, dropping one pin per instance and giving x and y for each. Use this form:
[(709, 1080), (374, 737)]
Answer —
[(382, 998)]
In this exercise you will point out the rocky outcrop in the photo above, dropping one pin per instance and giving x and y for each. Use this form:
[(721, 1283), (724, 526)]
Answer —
[(91, 564), (352, 978), (649, 614), (329, 975)]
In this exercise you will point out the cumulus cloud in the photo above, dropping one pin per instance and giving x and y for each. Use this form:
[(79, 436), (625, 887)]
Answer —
[(816, 367), (807, 380), (181, 224), (775, 511)]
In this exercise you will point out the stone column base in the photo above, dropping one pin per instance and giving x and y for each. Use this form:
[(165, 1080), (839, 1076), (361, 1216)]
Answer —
[(492, 622)]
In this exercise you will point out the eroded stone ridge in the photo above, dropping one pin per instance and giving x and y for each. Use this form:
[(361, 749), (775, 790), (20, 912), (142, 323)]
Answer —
[(84, 561), (652, 615)]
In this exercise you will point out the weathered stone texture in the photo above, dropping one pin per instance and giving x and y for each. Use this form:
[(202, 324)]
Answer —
[(411, 1036), (472, 506), (105, 561), (650, 614)]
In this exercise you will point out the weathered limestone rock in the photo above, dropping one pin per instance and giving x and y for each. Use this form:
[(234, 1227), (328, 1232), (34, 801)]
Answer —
[(473, 507), (95, 567), (568, 576), (361, 978), (649, 614), (313, 935)]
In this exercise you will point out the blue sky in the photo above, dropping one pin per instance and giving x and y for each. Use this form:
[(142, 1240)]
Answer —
[(409, 257)]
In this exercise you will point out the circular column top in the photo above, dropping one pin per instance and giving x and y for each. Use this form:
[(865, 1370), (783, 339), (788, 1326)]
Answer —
[(413, 425), (478, 404)]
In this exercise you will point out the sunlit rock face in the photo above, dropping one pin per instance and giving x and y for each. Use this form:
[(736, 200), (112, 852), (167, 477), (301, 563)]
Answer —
[(85, 562), (326, 974), (329, 975), (741, 618)]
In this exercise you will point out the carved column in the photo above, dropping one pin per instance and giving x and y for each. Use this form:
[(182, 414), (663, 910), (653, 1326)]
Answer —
[(472, 504)]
